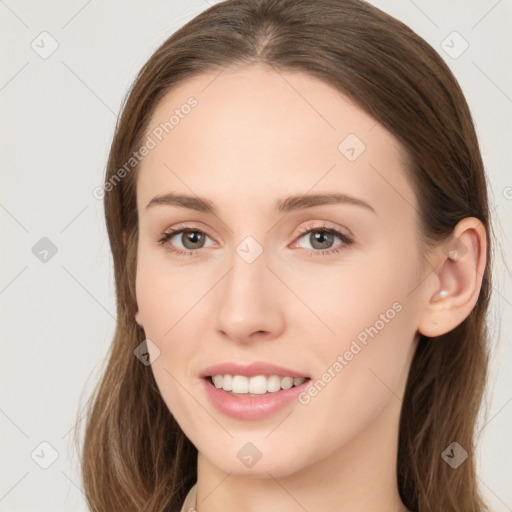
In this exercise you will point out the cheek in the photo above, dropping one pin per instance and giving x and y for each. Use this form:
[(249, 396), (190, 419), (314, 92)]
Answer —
[(361, 376), (371, 314), (165, 292), (164, 308), (169, 301), (366, 291)]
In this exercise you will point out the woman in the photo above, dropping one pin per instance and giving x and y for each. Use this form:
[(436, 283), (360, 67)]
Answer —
[(297, 211)]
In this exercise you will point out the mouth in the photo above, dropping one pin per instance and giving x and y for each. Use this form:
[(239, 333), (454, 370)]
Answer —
[(254, 391), (254, 386)]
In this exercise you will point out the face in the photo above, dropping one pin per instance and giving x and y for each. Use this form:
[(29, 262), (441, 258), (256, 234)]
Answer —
[(322, 289)]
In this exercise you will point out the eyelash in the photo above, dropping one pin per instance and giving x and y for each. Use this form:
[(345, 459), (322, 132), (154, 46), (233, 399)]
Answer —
[(346, 240)]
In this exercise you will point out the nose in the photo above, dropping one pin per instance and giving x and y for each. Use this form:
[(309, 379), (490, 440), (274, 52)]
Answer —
[(250, 302)]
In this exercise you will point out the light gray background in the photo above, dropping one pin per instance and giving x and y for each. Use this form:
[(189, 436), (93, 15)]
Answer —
[(57, 120)]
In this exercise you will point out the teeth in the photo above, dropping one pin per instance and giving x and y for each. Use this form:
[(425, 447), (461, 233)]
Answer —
[(258, 385), (227, 382), (240, 384)]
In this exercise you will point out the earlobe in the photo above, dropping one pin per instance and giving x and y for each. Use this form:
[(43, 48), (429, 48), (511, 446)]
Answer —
[(452, 290)]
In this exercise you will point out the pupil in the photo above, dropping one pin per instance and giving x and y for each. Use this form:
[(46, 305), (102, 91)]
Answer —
[(321, 237), (192, 237)]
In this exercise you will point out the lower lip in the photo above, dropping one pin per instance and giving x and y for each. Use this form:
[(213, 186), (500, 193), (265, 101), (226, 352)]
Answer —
[(251, 408)]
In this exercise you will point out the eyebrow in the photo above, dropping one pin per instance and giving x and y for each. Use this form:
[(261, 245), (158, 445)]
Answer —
[(292, 203)]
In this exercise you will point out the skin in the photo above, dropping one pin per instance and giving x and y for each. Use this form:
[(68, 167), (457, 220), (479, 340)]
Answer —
[(258, 135)]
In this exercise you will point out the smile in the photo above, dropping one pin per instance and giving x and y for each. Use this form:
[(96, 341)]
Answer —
[(241, 403), (254, 386)]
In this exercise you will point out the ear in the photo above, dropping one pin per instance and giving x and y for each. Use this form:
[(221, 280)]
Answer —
[(138, 319), (452, 290)]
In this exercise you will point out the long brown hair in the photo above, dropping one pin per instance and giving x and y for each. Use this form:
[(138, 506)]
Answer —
[(135, 456)]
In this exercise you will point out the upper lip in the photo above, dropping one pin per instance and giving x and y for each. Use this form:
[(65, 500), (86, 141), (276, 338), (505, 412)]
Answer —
[(250, 370)]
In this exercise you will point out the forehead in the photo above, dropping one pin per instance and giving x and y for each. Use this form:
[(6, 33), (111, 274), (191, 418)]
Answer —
[(260, 132)]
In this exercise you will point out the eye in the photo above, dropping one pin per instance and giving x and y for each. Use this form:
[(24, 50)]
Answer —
[(191, 239), (321, 238)]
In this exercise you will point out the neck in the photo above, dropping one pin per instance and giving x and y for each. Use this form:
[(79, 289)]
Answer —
[(357, 477)]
